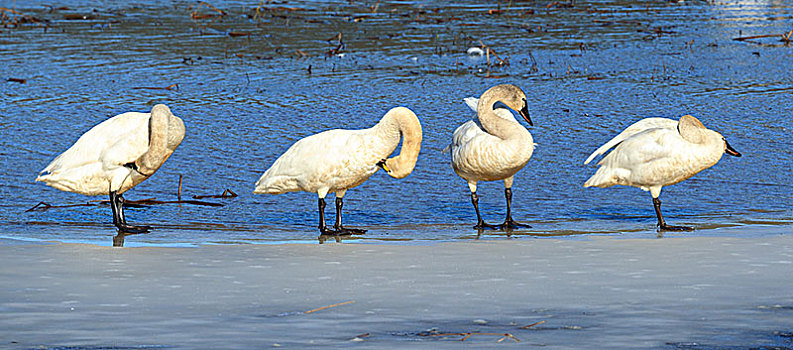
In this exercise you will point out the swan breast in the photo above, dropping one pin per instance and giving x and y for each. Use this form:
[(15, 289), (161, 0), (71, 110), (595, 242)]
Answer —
[(478, 155)]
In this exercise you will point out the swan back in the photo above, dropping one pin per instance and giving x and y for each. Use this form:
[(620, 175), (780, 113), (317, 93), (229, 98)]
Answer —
[(635, 128), (101, 159), (661, 156), (337, 160)]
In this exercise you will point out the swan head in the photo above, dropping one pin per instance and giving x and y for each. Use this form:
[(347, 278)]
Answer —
[(381, 165), (692, 130), (511, 96), (729, 150)]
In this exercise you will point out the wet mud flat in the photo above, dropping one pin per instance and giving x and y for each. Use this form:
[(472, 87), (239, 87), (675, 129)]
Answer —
[(672, 293)]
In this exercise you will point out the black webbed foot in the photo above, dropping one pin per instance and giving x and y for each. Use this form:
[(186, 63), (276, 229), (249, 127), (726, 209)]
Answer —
[(346, 231), (130, 229), (481, 225), (665, 227), (512, 225)]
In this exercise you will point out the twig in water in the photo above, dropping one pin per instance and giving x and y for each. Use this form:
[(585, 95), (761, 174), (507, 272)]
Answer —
[(329, 306), (179, 192), (169, 87), (40, 206), (743, 38), (196, 15), (17, 80), (226, 194)]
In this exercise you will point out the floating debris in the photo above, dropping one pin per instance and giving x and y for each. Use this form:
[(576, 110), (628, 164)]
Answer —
[(475, 51), (329, 306), (226, 194), (531, 325), (169, 87)]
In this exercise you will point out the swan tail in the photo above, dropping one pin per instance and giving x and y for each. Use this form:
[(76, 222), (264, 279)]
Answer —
[(471, 102), (85, 179), (274, 184), (605, 177)]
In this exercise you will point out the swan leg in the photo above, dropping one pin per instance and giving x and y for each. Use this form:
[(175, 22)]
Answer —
[(341, 230), (662, 223), (322, 228), (510, 224), (480, 224), (117, 206)]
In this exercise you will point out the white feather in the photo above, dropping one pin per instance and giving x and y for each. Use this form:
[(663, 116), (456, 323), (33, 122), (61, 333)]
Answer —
[(479, 156), (335, 160), (94, 165), (652, 153)]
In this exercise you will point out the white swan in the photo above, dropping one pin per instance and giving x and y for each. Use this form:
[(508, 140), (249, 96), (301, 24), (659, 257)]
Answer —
[(493, 146), (657, 152), (115, 156), (337, 160)]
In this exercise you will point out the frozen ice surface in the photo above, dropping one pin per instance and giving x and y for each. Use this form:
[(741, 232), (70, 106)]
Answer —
[(604, 292)]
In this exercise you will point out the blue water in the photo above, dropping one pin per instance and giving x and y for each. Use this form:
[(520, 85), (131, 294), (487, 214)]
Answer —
[(589, 71)]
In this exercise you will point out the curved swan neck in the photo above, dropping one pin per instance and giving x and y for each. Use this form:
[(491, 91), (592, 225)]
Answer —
[(492, 123), (404, 121), (158, 151)]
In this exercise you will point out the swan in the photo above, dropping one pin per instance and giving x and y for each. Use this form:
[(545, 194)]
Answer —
[(657, 152), (338, 160), (493, 146), (116, 155)]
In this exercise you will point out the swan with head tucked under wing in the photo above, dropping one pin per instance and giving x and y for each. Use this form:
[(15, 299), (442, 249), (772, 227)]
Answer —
[(657, 152), (493, 146), (115, 156), (337, 160)]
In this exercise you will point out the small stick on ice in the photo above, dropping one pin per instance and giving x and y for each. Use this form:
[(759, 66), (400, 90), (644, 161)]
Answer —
[(531, 325), (329, 306), (469, 334)]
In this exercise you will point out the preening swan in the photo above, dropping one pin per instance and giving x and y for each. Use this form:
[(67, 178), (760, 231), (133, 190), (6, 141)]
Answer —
[(493, 146), (337, 160), (115, 156), (657, 152)]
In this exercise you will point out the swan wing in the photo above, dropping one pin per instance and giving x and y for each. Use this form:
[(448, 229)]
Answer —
[(334, 159), (635, 128), (649, 158), (123, 138), (98, 156)]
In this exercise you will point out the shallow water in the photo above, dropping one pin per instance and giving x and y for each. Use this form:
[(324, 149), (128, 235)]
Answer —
[(589, 70)]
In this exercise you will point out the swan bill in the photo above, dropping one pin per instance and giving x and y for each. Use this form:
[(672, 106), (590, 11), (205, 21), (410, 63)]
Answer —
[(731, 151), (383, 166), (524, 112)]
